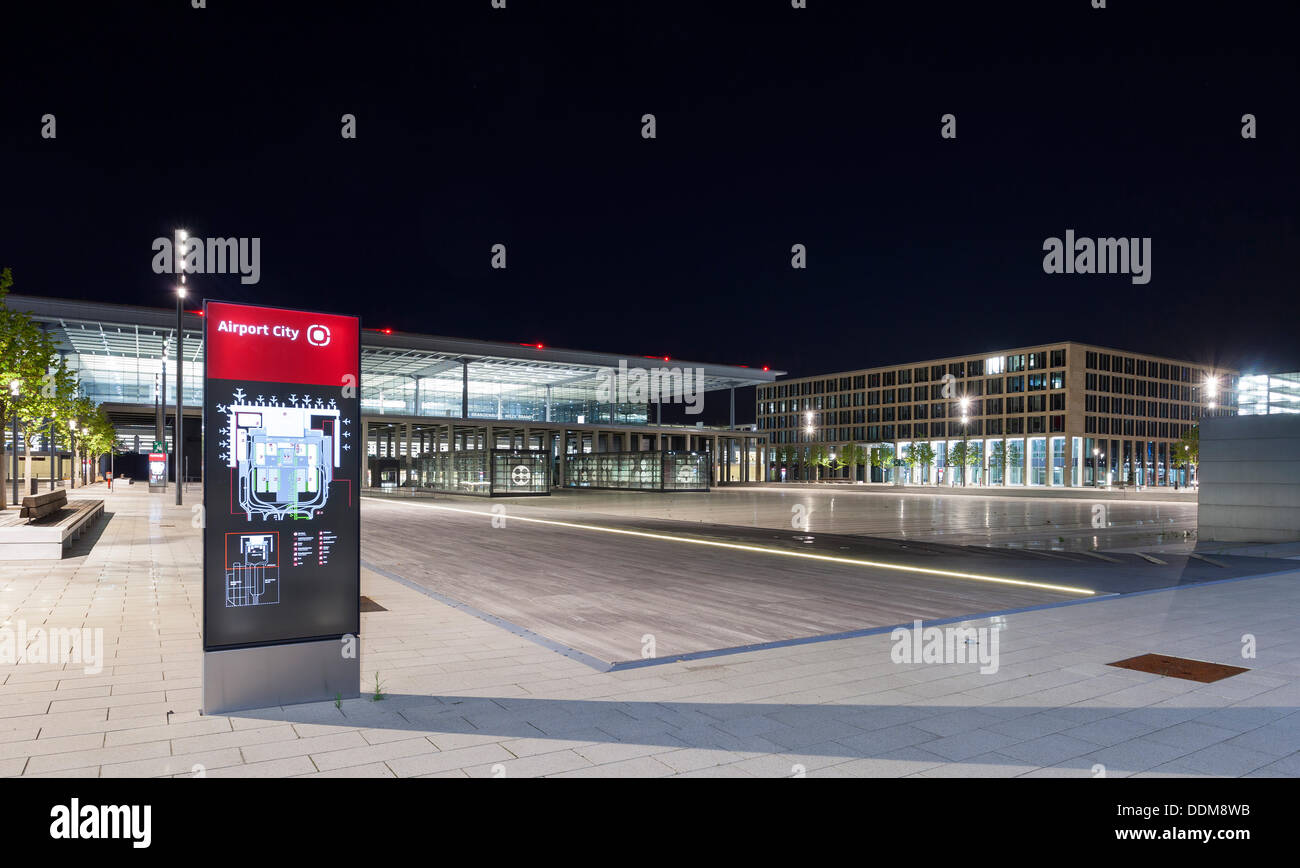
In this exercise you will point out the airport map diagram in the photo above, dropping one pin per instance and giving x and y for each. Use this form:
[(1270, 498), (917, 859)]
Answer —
[(283, 453), (252, 569)]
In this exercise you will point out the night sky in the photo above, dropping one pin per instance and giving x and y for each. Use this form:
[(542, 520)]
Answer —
[(775, 126)]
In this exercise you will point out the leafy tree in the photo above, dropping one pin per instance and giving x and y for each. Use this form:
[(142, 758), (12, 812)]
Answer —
[(787, 456), (1188, 448), (52, 399), (921, 455), (1186, 452), (851, 455), (96, 436), (882, 457), (818, 457), (975, 456), (998, 457), (26, 353)]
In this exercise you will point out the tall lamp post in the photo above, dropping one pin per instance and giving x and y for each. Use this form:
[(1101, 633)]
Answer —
[(72, 445), (51, 444), (808, 419), (965, 407), (179, 429), (14, 386), (1096, 477)]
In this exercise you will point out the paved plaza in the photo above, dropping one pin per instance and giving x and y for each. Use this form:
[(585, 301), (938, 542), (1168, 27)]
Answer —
[(1046, 521), (467, 692)]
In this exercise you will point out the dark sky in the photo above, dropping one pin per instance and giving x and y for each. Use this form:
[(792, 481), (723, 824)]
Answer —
[(776, 126)]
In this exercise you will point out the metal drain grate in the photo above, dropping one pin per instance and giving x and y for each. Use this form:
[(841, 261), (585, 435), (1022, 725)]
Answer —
[(369, 605), (1180, 667)]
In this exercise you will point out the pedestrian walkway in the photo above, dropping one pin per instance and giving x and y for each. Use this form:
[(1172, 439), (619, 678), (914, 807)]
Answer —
[(465, 697)]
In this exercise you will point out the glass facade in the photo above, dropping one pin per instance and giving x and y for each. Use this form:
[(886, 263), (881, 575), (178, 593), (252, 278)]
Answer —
[(459, 472), (1263, 394), (1016, 462), (639, 471), (517, 472), (497, 472), (1053, 396), (124, 358), (1037, 461)]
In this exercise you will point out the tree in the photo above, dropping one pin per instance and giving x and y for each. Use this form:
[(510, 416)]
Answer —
[(51, 399), (882, 458), (852, 456), (958, 453), (975, 458), (998, 458), (818, 458), (787, 456), (1187, 451), (26, 353), (98, 437), (921, 455)]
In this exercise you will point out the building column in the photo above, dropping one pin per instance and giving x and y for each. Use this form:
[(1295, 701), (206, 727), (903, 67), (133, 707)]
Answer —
[(365, 453), (562, 444), (1068, 477), (464, 390)]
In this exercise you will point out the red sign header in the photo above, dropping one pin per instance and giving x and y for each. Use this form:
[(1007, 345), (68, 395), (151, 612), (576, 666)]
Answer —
[(272, 344)]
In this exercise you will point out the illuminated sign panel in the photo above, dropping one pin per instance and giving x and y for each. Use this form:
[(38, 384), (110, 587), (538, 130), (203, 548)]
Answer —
[(157, 468), (282, 429)]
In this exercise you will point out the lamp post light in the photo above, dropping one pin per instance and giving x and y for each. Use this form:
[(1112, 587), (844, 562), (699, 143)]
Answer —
[(72, 445), (178, 429), (178, 435), (1096, 467), (965, 408), (14, 386), (51, 444)]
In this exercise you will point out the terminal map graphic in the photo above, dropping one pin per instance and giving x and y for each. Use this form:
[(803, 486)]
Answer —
[(284, 455), (252, 569)]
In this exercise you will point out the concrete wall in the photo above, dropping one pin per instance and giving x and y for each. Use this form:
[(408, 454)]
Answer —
[(1250, 479)]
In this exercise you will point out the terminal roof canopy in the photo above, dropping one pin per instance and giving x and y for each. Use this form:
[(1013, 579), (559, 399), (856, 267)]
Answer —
[(142, 338)]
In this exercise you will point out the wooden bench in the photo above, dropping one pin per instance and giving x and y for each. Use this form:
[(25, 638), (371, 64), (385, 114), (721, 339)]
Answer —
[(41, 505), (43, 536)]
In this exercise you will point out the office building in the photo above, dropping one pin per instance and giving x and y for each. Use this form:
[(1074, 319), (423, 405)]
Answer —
[(1063, 414)]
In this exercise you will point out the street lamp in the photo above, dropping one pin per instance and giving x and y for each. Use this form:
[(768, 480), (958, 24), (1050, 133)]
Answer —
[(51, 444), (178, 435), (14, 386), (1096, 461), (965, 408), (72, 445)]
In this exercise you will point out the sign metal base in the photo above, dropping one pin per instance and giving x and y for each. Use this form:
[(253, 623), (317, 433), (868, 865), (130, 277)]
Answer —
[(272, 675)]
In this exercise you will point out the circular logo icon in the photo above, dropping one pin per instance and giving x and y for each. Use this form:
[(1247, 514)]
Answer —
[(318, 335), (521, 475)]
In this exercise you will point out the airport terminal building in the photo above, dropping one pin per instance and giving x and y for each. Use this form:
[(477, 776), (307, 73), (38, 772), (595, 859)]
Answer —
[(441, 413), (1064, 414)]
